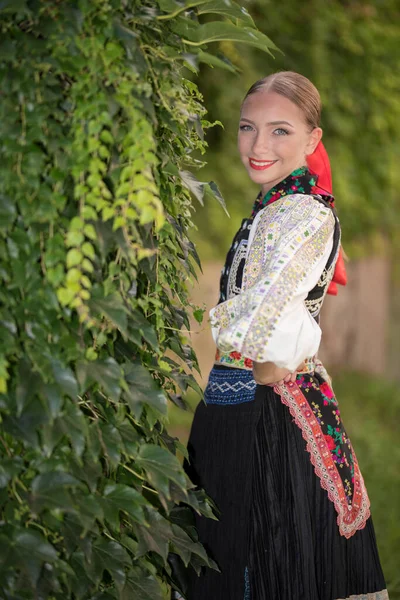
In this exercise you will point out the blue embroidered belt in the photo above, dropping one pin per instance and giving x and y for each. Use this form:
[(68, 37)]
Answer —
[(230, 386)]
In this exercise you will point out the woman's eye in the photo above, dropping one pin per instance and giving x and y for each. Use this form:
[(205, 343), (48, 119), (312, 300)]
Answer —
[(280, 131), (245, 128)]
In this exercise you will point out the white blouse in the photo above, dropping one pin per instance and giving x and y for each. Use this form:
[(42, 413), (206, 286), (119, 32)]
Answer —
[(289, 245)]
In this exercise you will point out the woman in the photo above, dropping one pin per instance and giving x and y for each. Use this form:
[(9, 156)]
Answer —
[(268, 444)]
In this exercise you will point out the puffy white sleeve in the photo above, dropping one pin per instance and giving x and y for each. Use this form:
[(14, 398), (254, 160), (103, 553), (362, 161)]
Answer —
[(289, 246)]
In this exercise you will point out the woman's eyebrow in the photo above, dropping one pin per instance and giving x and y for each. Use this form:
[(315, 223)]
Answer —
[(269, 123)]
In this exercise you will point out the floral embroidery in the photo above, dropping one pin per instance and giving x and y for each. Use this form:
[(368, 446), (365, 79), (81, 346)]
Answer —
[(246, 322), (301, 181), (313, 405)]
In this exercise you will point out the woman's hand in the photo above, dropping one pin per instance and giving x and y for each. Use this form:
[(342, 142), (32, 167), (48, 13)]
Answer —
[(269, 374)]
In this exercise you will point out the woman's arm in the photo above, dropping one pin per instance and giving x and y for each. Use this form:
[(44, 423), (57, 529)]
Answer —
[(268, 373), (268, 321)]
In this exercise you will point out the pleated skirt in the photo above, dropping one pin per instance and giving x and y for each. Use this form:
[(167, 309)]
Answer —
[(277, 536)]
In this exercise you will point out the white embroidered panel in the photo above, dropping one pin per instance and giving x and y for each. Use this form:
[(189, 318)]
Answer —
[(287, 239)]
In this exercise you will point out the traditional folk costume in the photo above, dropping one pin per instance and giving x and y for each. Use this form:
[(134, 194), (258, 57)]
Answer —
[(294, 520)]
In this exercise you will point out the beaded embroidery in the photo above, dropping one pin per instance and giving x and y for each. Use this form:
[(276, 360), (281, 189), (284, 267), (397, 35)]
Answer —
[(230, 386)]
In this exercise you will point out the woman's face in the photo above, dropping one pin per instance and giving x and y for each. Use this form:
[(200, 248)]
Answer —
[(273, 138)]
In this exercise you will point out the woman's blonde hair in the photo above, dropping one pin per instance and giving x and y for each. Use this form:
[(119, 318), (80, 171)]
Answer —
[(296, 88)]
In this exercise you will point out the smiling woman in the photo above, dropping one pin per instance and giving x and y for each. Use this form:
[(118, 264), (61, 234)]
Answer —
[(268, 444)]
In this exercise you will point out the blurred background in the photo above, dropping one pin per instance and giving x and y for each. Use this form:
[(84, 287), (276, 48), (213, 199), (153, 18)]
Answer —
[(350, 50)]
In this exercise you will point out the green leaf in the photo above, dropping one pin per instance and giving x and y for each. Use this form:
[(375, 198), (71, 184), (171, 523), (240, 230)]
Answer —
[(155, 537), (112, 308), (218, 31), (185, 546), (9, 468), (112, 441), (143, 389), (74, 258), (51, 490), (215, 61), (65, 378), (106, 373), (7, 212), (116, 497), (227, 8), (88, 510), (199, 314), (28, 383), (193, 184), (110, 556), (160, 467), (26, 548), (143, 585), (73, 424), (212, 189)]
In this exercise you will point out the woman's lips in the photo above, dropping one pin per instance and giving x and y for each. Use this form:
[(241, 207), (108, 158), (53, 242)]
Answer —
[(261, 165)]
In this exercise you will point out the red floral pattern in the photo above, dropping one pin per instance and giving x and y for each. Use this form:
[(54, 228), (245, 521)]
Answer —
[(313, 405)]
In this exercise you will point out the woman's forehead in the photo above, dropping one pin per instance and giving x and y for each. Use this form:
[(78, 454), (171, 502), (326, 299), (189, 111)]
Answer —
[(270, 106)]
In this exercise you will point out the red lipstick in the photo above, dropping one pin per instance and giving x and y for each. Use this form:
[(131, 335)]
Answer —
[(261, 165)]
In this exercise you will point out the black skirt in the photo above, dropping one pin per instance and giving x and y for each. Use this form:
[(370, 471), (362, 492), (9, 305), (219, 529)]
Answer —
[(277, 537)]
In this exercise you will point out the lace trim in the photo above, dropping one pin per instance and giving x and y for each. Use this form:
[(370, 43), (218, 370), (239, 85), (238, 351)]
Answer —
[(383, 595), (352, 517)]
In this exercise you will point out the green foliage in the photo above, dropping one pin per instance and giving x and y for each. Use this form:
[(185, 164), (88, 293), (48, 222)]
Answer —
[(350, 51), (98, 127)]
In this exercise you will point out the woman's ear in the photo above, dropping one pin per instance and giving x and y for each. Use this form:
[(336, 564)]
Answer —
[(315, 138)]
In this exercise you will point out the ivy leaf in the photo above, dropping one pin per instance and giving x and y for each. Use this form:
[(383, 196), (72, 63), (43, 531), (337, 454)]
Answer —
[(212, 189), (51, 490), (106, 373), (219, 31), (198, 314), (216, 61), (7, 212), (88, 510), (28, 549), (138, 323), (113, 309), (28, 383), (160, 467), (155, 537), (65, 379), (110, 556), (193, 184), (143, 389), (141, 584), (227, 8), (9, 468), (185, 546), (112, 441), (174, 5), (116, 497), (73, 424)]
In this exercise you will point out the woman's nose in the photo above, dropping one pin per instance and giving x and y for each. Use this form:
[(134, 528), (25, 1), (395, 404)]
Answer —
[(260, 144)]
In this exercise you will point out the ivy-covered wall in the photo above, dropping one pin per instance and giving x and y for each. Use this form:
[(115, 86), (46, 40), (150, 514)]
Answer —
[(99, 130)]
